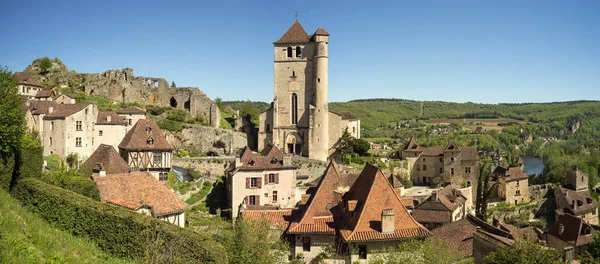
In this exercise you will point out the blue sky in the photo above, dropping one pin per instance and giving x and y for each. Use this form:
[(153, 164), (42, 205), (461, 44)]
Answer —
[(477, 51)]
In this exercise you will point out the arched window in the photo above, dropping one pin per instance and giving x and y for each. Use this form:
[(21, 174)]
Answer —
[(293, 74), (289, 52), (294, 109), (298, 52)]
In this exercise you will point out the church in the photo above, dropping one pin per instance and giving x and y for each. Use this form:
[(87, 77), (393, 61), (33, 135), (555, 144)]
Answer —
[(299, 121)]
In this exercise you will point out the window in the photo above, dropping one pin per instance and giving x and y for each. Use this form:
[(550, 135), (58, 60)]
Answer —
[(353, 129), (294, 108), (157, 158), (271, 178), (594, 212), (441, 170), (441, 160), (298, 52), (100, 133), (293, 74), (517, 183), (148, 130), (92, 141), (78, 126), (50, 141), (452, 159), (424, 167), (253, 182), (451, 171), (129, 121), (78, 142), (362, 251), (467, 170), (252, 199), (150, 141), (289, 52), (163, 176), (306, 244), (268, 127), (274, 196), (51, 125), (424, 159), (518, 192)]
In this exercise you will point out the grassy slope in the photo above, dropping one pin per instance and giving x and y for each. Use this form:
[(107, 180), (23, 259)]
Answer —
[(26, 238)]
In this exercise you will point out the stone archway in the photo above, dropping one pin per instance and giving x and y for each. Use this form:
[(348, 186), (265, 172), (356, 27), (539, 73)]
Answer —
[(173, 102), (293, 144)]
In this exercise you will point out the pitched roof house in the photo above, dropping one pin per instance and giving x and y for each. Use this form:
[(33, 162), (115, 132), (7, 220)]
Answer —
[(110, 128), (141, 192), (132, 114), (513, 185), (105, 159), (570, 231), (575, 199), (68, 128), (27, 86), (444, 206)]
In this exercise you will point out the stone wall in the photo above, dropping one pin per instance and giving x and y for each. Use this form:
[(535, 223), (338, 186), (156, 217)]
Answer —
[(201, 138), (538, 192), (215, 166)]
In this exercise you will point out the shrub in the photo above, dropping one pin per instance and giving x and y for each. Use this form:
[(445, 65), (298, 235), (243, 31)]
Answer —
[(170, 125), (407, 183), (117, 230), (177, 115), (155, 110), (53, 161)]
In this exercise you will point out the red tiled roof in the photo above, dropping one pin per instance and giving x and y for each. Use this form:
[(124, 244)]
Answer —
[(24, 78), (295, 34), (63, 110), (407, 201), (137, 190), (45, 93), (276, 218), (41, 107), (114, 119), (374, 193), (412, 145), (108, 158), (141, 133), (321, 32), (271, 158), (132, 110), (576, 231)]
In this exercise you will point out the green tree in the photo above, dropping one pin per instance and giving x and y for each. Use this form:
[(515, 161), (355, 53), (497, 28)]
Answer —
[(484, 190), (173, 84), (345, 147), (360, 146), (219, 102), (45, 64), (593, 248), (12, 123), (524, 251), (416, 251), (253, 242)]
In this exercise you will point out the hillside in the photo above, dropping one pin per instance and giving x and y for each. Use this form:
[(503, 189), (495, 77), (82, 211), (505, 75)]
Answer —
[(26, 238)]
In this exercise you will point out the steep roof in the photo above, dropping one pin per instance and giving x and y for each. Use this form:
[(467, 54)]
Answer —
[(439, 210), (41, 107), (137, 190), (271, 158), (141, 135), (452, 147), (279, 219), (346, 115), (575, 231), (295, 34), (132, 110), (63, 110), (321, 32), (108, 158), (24, 78), (115, 119), (45, 93), (514, 174), (373, 193), (582, 200), (412, 145)]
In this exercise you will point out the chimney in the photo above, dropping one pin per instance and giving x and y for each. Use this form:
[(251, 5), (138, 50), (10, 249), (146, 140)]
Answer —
[(287, 160), (50, 109), (387, 221), (108, 118), (238, 162), (569, 254), (434, 196)]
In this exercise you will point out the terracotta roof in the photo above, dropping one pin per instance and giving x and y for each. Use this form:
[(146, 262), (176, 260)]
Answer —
[(346, 115), (407, 201), (45, 93), (576, 231), (137, 190), (141, 135), (115, 119), (582, 200), (24, 78), (276, 218), (439, 210), (518, 233), (271, 158), (295, 34), (108, 158), (412, 145), (514, 174), (132, 110), (41, 107), (395, 181), (63, 110), (373, 194), (321, 32)]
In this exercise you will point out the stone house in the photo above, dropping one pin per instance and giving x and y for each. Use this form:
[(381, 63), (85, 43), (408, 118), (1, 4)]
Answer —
[(261, 179), (45, 95), (105, 159), (425, 164), (142, 193), (39, 109), (65, 99), (443, 207), (299, 121), (132, 114), (145, 148), (361, 214), (27, 86), (30, 121), (575, 199), (513, 185), (110, 129), (69, 128), (570, 234)]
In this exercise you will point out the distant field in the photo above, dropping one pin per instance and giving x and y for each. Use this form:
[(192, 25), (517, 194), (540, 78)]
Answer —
[(488, 121)]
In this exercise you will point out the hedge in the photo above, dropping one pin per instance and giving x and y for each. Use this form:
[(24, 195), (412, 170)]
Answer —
[(118, 231), (31, 164)]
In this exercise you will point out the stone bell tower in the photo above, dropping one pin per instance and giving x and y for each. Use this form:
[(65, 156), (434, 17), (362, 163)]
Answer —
[(320, 129)]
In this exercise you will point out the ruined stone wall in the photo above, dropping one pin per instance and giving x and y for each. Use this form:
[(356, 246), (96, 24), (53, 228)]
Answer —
[(202, 138), (122, 86), (215, 166)]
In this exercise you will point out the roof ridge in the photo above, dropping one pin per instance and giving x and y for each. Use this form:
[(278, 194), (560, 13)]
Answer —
[(360, 215)]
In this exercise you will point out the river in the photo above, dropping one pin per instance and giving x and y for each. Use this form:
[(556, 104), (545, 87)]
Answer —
[(533, 165)]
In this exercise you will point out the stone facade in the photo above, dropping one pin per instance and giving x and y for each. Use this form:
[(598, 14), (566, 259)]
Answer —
[(70, 129), (299, 121), (513, 185)]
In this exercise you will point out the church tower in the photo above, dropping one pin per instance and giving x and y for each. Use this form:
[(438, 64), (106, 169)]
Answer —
[(320, 137)]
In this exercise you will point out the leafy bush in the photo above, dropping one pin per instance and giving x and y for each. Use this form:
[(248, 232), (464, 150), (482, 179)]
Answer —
[(155, 110), (72, 180), (407, 183), (170, 125), (53, 161), (116, 230), (206, 186), (31, 161), (177, 115)]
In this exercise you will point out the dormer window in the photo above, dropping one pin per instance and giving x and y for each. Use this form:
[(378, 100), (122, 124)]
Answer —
[(274, 160), (150, 141), (589, 200), (148, 130), (251, 162)]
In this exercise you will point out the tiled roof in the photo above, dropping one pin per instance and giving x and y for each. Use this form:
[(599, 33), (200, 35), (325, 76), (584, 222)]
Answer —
[(346, 115), (24, 78), (514, 174), (114, 119), (412, 145), (374, 193), (141, 134), (433, 151), (45, 93), (132, 110), (137, 190), (321, 32), (41, 107), (582, 199), (295, 34), (63, 110), (576, 231), (407, 201), (276, 218), (432, 216), (439, 210), (108, 158), (271, 158), (395, 181), (467, 153)]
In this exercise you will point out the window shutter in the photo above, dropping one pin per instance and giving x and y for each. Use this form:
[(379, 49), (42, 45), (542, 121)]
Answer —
[(247, 199), (257, 199), (259, 182), (266, 178), (247, 182), (277, 178)]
